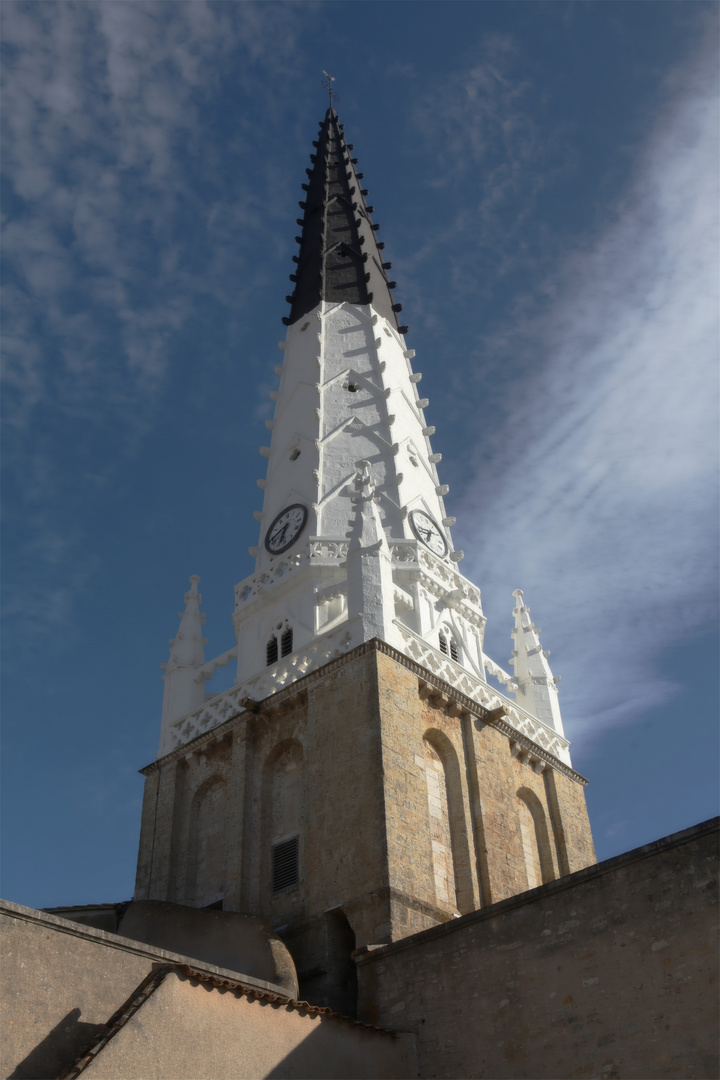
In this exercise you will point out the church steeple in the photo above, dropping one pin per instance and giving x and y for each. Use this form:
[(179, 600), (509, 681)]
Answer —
[(340, 257), (361, 780), (354, 539), (347, 405)]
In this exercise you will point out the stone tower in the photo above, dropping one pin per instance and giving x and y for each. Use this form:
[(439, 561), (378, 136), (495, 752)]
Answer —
[(362, 780)]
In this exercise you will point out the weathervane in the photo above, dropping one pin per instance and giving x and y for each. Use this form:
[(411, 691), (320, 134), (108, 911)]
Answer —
[(327, 84)]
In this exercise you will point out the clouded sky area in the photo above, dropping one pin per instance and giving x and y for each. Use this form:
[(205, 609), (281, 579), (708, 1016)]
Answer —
[(546, 178)]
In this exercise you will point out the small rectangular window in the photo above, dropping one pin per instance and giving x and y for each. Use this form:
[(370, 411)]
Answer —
[(287, 642), (272, 650), (285, 865)]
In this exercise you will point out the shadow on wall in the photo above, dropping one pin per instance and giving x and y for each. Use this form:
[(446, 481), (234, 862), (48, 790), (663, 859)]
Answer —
[(64, 1043), (360, 1054)]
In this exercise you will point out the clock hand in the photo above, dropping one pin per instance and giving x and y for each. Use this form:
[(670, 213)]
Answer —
[(279, 535)]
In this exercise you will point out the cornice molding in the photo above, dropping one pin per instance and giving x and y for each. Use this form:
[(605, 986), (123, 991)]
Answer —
[(299, 688)]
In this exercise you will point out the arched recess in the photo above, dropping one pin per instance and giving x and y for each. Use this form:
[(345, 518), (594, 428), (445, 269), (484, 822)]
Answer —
[(206, 859), (283, 803), (448, 827), (535, 839)]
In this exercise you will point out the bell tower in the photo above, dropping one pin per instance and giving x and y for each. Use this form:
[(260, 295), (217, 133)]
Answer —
[(362, 779)]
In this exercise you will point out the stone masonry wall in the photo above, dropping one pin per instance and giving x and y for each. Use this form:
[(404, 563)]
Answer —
[(485, 770), (611, 972), (411, 807)]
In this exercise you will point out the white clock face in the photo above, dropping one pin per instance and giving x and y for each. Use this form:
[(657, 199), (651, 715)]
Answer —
[(286, 528), (429, 532)]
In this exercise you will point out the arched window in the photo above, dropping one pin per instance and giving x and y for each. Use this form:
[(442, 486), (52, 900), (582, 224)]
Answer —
[(535, 839), (286, 641), (449, 645), (280, 642)]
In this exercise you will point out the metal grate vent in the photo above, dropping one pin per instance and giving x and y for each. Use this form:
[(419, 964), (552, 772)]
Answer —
[(285, 868)]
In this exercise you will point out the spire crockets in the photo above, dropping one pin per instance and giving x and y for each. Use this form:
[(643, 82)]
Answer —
[(339, 258), (347, 405), (536, 687), (183, 692)]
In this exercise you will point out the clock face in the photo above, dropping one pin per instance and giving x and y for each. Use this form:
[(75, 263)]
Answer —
[(286, 528), (428, 531)]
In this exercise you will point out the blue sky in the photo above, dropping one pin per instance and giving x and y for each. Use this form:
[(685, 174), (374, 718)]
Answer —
[(546, 179)]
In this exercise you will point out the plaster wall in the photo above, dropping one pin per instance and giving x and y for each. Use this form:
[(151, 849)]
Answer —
[(611, 972), (61, 982), (234, 1035)]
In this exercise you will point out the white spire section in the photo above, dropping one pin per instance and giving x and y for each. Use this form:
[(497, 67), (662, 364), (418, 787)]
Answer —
[(536, 688), (348, 412), (354, 538), (183, 692)]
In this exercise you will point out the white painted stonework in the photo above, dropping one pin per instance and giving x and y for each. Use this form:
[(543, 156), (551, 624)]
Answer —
[(348, 402), (535, 686), (349, 442), (182, 691)]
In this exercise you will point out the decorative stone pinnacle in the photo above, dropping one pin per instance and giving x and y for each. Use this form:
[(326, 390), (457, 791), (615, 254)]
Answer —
[(532, 670), (364, 481), (182, 693)]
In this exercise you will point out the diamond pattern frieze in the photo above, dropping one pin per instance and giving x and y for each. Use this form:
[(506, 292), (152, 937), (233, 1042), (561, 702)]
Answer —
[(431, 659), (266, 683)]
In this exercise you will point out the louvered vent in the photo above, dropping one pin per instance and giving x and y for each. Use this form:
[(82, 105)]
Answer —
[(443, 643), (286, 642), (454, 652), (272, 650), (285, 868)]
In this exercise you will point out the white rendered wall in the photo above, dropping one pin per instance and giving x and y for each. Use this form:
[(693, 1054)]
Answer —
[(360, 461), (379, 427)]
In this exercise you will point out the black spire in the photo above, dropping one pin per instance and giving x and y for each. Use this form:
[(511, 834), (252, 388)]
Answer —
[(339, 255)]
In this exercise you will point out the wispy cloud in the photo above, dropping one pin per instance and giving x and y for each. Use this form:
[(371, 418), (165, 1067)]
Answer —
[(599, 497), (482, 137), (130, 209), (103, 142)]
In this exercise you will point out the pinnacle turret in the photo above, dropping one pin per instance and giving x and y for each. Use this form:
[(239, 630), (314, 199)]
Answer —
[(339, 258), (536, 686), (369, 562), (183, 691)]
